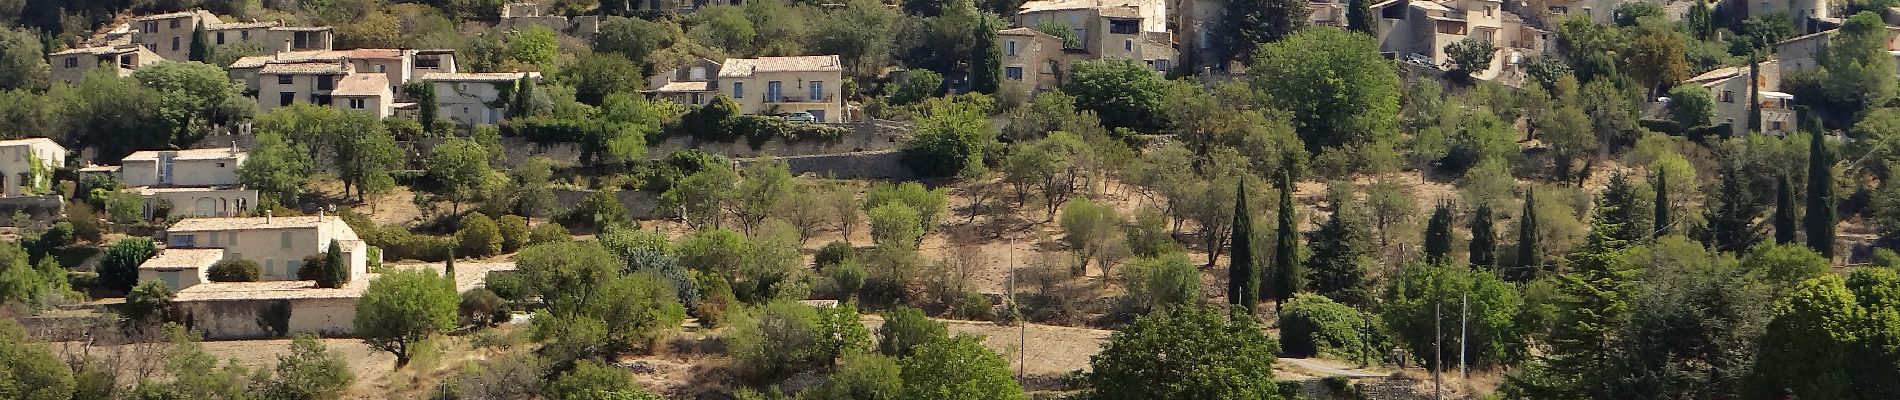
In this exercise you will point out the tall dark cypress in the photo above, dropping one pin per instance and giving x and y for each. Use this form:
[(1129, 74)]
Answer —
[(1820, 217), (1484, 238), (1732, 220), (1662, 203), (1784, 211), (1754, 93), (1438, 234), (200, 47), (986, 66), (1286, 247), (335, 272), (1243, 284), (1359, 17), (1529, 254)]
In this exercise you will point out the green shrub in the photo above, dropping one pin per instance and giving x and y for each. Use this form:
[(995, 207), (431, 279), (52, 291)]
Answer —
[(506, 284), (481, 307), (598, 211), (514, 232), (548, 233), (234, 270), (149, 300), (847, 278), (833, 253), (478, 236), (905, 328), (120, 267), (973, 306), (1311, 324)]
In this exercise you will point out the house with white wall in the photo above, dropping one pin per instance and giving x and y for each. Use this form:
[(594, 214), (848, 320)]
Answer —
[(71, 65), (1730, 88), (1425, 28), (776, 85), (1126, 29), (280, 85), (189, 183), (470, 98), (26, 166), (277, 244)]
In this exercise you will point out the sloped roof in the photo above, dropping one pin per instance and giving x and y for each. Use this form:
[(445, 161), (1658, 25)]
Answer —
[(1720, 75), (1035, 6), (1019, 32), (303, 68), (200, 13), (362, 85), (685, 86), (240, 25), (743, 67), (221, 153), (27, 141), (288, 57), (96, 50), (394, 54), (177, 259), (477, 76), (271, 290), (246, 223)]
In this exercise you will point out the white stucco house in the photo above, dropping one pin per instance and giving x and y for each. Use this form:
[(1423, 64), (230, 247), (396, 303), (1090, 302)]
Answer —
[(194, 182), (26, 165), (278, 245)]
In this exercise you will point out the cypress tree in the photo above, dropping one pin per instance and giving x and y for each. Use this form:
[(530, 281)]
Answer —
[(199, 50), (1732, 221), (1662, 203), (1341, 250), (1621, 197), (424, 93), (1359, 17), (1243, 283), (1529, 258), (1820, 217), (1784, 211), (334, 274), (448, 265), (1484, 238), (987, 67), (1438, 234), (1286, 256), (1754, 94), (523, 102)]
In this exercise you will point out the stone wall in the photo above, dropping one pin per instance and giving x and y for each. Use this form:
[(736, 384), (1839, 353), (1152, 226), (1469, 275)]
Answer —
[(641, 205), (38, 208), (882, 164), (866, 136), (269, 318)]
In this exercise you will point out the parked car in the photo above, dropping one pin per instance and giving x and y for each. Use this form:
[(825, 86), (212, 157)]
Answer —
[(799, 117), (1420, 59)]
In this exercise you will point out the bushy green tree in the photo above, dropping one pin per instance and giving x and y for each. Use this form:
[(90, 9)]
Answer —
[(536, 45), (1090, 229), (119, 268), (1165, 280), (958, 368), (1337, 87), (1261, 22), (1438, 234), (1470, 55), (785, 336), (591, 380), (310, 371), (1831, 338), (1126, 94), (31, 370), (276, 168), (1691, 106), (905, 328), (1425, 298), (866, 376), (478, 236), (233, 270), (192, 97), (22, 64), (948, 139), (1186, 353), (150, 301), (402, 308), (1311, 325)]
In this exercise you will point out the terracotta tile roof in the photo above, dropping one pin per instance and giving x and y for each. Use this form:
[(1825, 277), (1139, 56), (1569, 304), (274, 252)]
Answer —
[(177, 259), (240, 25), (118, 49), (477, 77), (300, 28), (244, 223), (221, 153), (743, 67), (304, 68), (362, 85), (288, 57), (271, 290), (180, 14), (385, 54)]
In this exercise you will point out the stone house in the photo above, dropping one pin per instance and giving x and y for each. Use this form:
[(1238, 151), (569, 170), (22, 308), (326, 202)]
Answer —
[(1032, 58), (1808, 15), (517, 16), (170, 34), (1126, 29), (675, 6), (278, 245), (195, 182), (1803, 52), (26, 166), (1425, 28), (71, 65), (365, 92), (691, 84), (399, 65), (272, 309), (1549, 13), (279, 85), (472, 98), (775, 85), (1730, 87)]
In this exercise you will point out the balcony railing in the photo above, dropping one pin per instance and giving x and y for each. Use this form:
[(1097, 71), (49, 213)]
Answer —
[(801, 99)]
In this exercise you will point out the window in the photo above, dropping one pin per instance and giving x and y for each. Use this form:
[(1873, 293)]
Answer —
[(817, 90), (231, 240), (738, 90), (244, 35), (72, 62), (1774, 126), (1010, 48), (174, 43), (1727, 96), (1124, 26), (175, 24), (183, 241), (214, 239), (270, 267), (428, 62), (1487, 11), (696, 74), (220, 37), (220, 165), (356, 103), (285, 240), (379, 68), (284, 79), (1013, 73), (151, 26), (284, 98), (290, 267), (326, 82), (1128, 45), (772, 92)]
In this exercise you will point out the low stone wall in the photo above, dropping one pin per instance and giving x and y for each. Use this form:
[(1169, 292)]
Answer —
[(40, 209), (641, 205), (884, 164), (269, 318)]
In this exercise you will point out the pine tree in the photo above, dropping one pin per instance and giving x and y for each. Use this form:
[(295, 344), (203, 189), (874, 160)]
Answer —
[(1259, 22), (1359, 17), (1243, 283), (1820, 217), (1529, 251), (1484, 238), (1286, 253), (424, 94), (986, 68), (1342, 249), (523, 101), (1784, 211), (1662, 218), (1621, 194), (1732, 220), (200, 49), (1584, 348), (1438, 234)]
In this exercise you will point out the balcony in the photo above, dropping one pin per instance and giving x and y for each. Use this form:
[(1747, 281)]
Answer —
[(828, 98)]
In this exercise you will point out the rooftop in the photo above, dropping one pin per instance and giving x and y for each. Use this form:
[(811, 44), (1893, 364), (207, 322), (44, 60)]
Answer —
[(1121, 12), (300, 28), (1019, 32), (98, 168), (170, 15), (27, 142), (222, 153), (149, 190), (240, 25), (385, 54), (271, 290), (176, 259), (1720, 75), (362, 85), (743, 67), (304, 68), (477, 76), (119, 49), (288, 57), (244, 223), (685, 86), (1059, 5)]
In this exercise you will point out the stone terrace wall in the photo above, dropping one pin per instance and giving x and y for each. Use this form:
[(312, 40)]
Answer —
[(38, 208), (882, 164)]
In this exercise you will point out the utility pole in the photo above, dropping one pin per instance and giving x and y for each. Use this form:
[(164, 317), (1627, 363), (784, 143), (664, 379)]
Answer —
[(1022, 326), (1464, 314), (1437, 349)]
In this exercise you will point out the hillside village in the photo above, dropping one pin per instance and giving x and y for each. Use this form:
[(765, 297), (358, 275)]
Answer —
[(949, 199)]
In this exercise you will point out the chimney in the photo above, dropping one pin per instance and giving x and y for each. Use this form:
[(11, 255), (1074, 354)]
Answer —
[(319, 214), (234, 148), (267, 216)]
